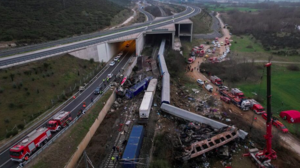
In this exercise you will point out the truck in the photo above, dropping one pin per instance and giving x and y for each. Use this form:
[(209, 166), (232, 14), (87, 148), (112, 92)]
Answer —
[(209, 88), (130, 158), (216, 80), (59, 121), (256, 107), (237, 92), (138, 88), (25, 148), (146, 104), (243, 104), (152, 86)]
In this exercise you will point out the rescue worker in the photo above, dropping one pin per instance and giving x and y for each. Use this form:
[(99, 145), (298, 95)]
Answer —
[(103, 80), (74, 97), (84, 105), (107, 79), (92, 99), (118, 60), (113, 159), (101, 91)]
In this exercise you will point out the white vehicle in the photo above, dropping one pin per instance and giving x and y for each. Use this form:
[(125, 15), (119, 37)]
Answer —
[(200, 82), (146, 105), (120, 54), (109, 76), (209, 88), (112, 63), (117, 58)]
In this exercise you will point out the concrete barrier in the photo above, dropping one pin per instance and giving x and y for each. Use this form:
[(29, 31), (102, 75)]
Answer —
[(81, 147)]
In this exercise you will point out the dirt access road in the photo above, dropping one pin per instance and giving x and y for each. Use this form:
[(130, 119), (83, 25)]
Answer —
[(287, 139)]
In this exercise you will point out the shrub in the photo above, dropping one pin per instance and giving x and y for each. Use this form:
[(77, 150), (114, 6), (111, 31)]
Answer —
[(21, 126), (11, 105), (293, 67), (6, 120), (11, 133), (92, 60)]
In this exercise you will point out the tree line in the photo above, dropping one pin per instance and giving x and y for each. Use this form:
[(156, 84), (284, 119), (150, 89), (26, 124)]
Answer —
[(275, 27), (34, 21)]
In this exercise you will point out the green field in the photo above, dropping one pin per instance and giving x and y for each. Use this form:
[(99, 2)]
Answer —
[(246, 44), (285, 90), (228, 8)]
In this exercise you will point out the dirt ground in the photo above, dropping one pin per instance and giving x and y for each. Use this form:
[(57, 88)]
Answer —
[(248, 116)]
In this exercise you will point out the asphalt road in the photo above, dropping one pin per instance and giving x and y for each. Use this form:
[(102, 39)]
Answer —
[(147, 14), (40, 46), (64, 49), (85, 96), (77, 103)]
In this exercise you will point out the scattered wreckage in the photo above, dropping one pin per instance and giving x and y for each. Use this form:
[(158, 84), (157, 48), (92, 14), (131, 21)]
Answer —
[(202, 134)]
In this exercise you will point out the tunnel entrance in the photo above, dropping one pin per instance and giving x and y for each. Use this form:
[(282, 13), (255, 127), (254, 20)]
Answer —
[(154, 40), (127, 47)]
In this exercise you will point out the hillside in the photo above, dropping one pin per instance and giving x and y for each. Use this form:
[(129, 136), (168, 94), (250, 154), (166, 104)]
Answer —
[(27, 91), (34, 21)]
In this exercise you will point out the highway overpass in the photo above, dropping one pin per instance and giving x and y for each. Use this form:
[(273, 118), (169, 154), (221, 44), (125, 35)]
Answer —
[(69, 45)]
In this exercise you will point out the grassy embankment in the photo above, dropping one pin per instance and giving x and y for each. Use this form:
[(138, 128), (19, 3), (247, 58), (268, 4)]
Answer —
[(27, 91), (202, 23), (61, 151)]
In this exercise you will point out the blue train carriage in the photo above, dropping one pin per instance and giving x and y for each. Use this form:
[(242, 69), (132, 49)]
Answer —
[(138, 88), (165, 92), (131, 153)]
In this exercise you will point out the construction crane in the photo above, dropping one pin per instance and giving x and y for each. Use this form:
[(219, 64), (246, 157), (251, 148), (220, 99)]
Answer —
[(262, 158)]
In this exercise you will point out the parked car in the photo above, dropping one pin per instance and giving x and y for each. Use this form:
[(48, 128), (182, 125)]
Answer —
[(97, 91), (109, 76), (112, 63), (200, 82), (276, 123), (117, 58), (225, 99), (120, 54), (280, 126)]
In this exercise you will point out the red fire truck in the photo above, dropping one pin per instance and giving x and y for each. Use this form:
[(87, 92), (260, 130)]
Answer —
[(24, 149), (59, 121)]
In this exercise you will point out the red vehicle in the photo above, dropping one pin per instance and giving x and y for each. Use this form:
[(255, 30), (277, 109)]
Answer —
[(276, 123), (256, 107), (216, 80), (191, 60), (226, 94), (237, 92), (225, 99), (24, 149), (202, 52), (59, 121)]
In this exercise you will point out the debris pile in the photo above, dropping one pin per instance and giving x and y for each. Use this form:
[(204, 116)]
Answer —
[(195, 139)]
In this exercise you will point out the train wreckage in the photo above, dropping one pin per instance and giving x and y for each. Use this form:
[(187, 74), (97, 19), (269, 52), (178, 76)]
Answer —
[(201, 134)]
